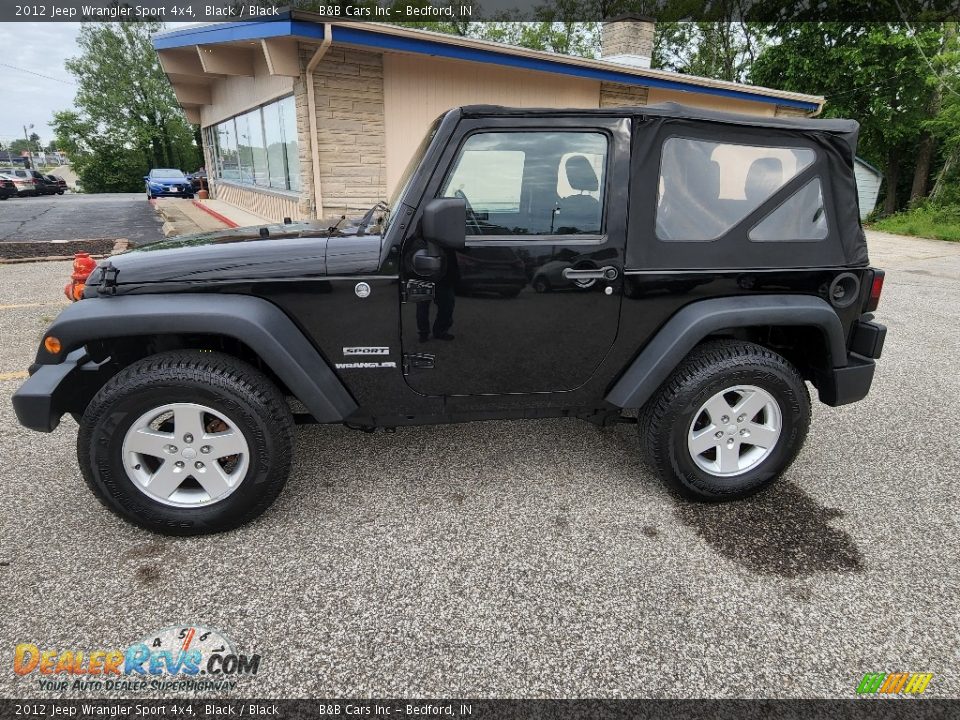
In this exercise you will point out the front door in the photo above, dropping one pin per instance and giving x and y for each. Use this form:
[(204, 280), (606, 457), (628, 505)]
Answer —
[(532, 303)]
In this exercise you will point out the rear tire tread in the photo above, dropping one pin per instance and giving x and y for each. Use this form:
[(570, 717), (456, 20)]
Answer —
[(704, 362)]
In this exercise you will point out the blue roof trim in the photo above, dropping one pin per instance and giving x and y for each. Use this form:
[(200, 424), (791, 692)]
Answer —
[(251, 30), (232, 32)]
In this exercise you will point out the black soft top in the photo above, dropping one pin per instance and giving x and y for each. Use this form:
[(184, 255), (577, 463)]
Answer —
[(835, 140)]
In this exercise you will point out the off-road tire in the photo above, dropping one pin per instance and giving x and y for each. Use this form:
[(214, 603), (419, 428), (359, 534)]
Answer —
[(215, 380), (666, 419)]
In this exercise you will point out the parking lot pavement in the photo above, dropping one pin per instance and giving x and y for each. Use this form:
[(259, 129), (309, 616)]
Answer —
[(79, 217), (530, 558)]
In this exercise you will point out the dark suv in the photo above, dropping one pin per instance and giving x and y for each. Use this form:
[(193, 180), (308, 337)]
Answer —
[(695, 269)]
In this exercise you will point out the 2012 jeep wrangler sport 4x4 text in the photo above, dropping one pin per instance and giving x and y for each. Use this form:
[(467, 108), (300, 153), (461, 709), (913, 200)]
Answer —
[(696, 267)]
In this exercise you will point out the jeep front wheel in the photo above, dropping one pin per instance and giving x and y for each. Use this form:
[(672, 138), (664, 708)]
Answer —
[(186, 443), (727, 422)]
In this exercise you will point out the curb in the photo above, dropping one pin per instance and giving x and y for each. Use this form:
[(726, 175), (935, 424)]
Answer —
[(213, 213), (120, 245)]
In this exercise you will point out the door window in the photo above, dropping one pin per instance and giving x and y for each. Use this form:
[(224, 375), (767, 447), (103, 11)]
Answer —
[(531, 183), (706, 188)]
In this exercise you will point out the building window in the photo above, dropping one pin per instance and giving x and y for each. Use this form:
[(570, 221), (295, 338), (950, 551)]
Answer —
[(259, 147)]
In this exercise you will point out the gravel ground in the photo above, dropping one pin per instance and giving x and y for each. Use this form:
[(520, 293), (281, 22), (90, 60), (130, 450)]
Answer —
[(530, 558), (76, 216)]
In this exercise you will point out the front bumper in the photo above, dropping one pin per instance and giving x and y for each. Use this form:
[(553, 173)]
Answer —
[(170, 192), (43, 399), (851, 383)]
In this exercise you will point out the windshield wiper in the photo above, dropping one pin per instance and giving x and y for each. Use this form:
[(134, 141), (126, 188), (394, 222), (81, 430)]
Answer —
[(368, 216)]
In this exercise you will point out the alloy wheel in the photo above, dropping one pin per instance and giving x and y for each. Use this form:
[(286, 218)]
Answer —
[(185, 455), (734, 430)]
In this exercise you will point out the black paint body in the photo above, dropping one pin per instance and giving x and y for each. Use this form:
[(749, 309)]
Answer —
[(526, 342)]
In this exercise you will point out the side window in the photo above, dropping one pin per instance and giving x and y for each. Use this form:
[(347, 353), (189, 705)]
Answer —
[(706, 188), (531, 183), (801, 216), (491, 179)]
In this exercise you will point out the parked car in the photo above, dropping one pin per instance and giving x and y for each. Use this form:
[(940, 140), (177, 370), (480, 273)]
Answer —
[(59, 182), (198, 180), (183, 357), (167, 182), (7, 187), (42, 184), (24, 181)]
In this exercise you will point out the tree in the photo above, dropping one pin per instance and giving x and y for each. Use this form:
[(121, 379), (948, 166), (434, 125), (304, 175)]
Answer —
[(127, 110), (102, 162), (21, 144), (876, 74), (724, 50)]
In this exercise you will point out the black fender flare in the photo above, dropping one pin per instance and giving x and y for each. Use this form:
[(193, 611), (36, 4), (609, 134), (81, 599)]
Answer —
[(681, 333), (256, 322)]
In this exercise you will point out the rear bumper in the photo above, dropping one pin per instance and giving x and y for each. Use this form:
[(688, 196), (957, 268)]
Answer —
[(851, 383), (43, 398)]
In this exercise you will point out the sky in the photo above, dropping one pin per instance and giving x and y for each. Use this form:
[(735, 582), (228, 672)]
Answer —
[(27, 98)]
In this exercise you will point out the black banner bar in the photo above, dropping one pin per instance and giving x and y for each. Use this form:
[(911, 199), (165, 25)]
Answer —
[(340, 709), (419, 11)]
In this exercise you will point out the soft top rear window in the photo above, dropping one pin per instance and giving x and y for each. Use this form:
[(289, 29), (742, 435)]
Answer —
[(706, 188)]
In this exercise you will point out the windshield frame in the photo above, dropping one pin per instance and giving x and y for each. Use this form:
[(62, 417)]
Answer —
[(403, 184)]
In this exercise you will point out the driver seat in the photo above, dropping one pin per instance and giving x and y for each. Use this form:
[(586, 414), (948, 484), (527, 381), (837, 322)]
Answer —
[(579, 213)]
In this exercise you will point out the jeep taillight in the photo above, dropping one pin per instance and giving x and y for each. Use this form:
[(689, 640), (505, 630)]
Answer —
[(875, 289)]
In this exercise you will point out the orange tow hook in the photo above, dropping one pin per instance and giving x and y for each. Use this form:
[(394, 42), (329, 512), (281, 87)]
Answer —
[(83, 265)]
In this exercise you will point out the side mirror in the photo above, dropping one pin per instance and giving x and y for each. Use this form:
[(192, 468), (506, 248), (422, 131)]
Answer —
[(445, 222), (146, 177)]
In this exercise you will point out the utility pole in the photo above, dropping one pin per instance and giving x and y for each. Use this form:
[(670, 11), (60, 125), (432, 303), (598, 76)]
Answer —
[(26, 137)]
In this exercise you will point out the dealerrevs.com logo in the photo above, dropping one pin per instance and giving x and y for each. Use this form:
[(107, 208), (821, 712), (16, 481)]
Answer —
[(176, 658), (897, 683)]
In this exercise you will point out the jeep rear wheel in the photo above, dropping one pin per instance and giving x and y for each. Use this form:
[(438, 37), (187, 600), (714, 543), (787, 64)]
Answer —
[(186, 443), (729, 420)]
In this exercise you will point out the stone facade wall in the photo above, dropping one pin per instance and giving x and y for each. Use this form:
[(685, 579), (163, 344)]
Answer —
[(348, 92), (617, 95)]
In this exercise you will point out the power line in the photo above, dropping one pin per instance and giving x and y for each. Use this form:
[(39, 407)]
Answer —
[(913, 35), (47, 77), (862, 87)]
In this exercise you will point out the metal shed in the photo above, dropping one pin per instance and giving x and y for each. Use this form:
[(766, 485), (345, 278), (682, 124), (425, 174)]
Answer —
[(869, 180)]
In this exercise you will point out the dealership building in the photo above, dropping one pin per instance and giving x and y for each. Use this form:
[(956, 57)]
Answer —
[(305, 118)]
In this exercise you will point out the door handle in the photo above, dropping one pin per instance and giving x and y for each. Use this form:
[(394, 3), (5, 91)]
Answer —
[(607, 272)]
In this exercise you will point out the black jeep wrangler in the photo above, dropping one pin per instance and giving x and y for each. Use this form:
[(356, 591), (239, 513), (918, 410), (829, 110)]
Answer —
[(697, 267)]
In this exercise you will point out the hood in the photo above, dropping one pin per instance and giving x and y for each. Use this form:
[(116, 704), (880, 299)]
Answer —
[(279, 252), (167, 182)]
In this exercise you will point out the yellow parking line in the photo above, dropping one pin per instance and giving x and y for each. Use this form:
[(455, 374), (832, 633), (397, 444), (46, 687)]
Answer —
[(15, 375), (29, 305)]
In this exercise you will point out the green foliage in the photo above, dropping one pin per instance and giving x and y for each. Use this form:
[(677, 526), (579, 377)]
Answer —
[(128, 119), (872, 73), (930, 221), (20, 144), (103, 162), (721, 50), (889, 77)]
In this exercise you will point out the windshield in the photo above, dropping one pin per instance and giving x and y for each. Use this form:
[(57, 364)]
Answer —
[(167, 174)]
